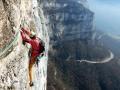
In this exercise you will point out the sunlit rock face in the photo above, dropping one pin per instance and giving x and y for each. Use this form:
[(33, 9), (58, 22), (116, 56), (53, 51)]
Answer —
[(11, 14), (13, 56)]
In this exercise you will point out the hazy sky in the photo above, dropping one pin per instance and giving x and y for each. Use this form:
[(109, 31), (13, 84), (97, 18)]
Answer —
[(107, 15)]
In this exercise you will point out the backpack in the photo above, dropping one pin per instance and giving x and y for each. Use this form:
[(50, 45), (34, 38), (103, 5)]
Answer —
[(42, 49), (42, 45)]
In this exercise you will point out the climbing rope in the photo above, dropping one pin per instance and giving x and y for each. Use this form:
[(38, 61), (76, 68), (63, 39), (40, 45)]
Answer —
[(7, 47)]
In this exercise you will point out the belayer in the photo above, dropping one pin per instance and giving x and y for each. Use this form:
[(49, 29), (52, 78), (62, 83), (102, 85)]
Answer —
[(37, 48)]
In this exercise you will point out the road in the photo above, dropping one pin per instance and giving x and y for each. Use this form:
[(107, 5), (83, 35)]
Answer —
[(108, 59)]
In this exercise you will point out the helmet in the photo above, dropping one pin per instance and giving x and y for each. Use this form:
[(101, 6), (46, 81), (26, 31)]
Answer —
[(32, 34)]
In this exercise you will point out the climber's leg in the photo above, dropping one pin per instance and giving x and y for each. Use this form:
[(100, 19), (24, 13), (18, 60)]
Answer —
[(31, 63)]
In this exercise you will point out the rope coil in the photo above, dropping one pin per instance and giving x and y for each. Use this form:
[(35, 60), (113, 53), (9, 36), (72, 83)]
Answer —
[(7, 47)]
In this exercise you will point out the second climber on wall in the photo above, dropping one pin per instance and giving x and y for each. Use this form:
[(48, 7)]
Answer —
[(37, 48)]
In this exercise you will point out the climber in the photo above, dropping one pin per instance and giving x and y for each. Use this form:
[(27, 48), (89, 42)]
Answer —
[(36, 48)]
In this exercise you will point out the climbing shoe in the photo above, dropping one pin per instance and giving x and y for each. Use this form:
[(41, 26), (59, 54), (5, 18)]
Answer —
[(31, 84)]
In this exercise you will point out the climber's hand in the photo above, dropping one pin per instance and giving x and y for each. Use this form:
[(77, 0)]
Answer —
[(22, 29)]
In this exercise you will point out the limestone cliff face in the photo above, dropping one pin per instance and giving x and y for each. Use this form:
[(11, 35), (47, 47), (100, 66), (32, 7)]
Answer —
[(13, 55), (68, 19), (70, 28), (70, 25)]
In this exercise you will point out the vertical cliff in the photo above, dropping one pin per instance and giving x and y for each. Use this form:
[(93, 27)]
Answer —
[(71, 31), (13, 54), (71, 28)]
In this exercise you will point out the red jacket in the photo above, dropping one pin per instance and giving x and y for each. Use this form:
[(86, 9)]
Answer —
[(35, 43)]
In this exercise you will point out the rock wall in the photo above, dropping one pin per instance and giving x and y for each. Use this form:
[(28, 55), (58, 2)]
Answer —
[(13, 55)]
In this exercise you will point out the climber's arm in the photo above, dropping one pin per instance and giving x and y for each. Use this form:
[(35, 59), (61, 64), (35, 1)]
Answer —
[(26, 31), (25, 37)]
